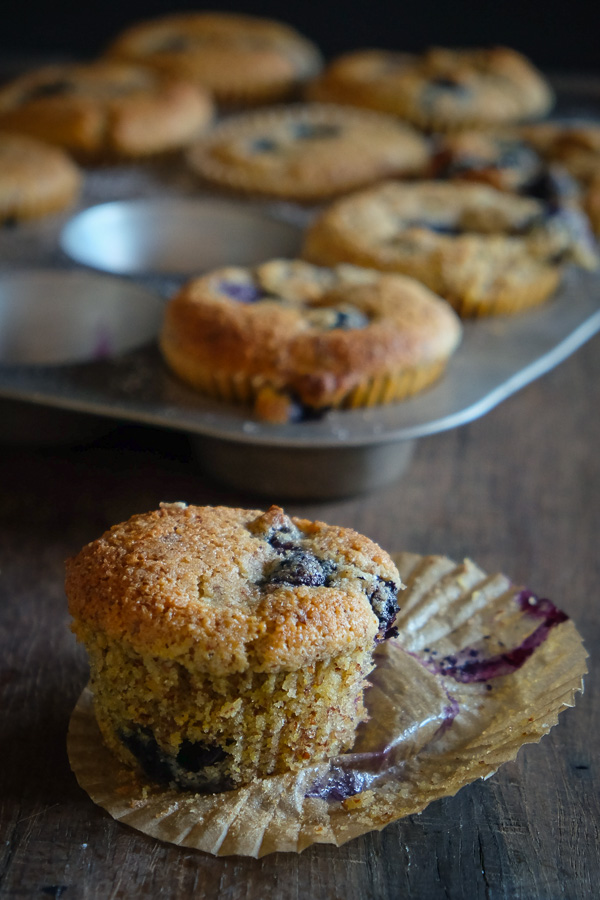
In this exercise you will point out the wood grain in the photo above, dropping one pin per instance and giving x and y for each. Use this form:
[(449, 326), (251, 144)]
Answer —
[(517, 491)]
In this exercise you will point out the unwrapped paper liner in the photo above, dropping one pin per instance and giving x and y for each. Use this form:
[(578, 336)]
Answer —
[(478, 669)]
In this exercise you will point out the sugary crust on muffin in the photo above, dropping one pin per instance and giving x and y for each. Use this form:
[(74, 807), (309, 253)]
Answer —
[(35, 178), (483, 250), (241, 59), (188, 583), (306, 152), (105, 109), (285, 339), (441, 89)]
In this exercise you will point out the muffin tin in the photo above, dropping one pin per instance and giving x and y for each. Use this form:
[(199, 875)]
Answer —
[(150, 244)]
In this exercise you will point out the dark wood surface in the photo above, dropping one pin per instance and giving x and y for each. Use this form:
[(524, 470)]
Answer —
[(517, 491)]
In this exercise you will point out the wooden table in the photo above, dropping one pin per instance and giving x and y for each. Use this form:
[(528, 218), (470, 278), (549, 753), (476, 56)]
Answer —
[(517, 491)]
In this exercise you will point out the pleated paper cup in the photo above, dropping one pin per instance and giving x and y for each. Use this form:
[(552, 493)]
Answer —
[(479, 668)]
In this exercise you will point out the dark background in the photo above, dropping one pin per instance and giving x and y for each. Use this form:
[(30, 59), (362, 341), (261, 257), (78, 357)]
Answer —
[(559, 35)]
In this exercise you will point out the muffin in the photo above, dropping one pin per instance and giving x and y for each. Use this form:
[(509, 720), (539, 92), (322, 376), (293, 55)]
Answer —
[(306, 152), (242, 60), (295, 340), (35, 178), (485, 251), (501, 160), (574, 145), (229, 644), (441, 89), (104, 110)]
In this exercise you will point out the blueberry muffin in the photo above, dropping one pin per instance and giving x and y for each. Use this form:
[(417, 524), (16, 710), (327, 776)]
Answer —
[(441, 89), (503, 161), (306, 152), (35, 178), (229, 644), (574, 145), (295, 340), (483, 250), (105, 110), (242, 60)]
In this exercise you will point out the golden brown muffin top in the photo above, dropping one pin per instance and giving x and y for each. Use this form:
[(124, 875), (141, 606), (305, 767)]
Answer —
[(241, 59), (306, 151), (35, 178), (233, 588), (441, 88), (316, 330), (105, 108)]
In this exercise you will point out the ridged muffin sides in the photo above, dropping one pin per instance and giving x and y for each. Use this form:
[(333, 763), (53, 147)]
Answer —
[(293, 338)]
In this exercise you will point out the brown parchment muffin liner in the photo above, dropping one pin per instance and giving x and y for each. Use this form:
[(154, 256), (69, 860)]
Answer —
[(479, 668)]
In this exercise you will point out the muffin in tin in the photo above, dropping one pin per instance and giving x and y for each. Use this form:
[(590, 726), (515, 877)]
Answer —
[(293, 340), (574, 145), (229, 644), (503, 161), (105, 111), (306, 152), (242, 60), (483, 250), (36, 179), (441, 89)]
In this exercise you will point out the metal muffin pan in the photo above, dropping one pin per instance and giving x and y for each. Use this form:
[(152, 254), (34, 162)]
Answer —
[(175, 236), (169, 232), (346, 452), (52, 318)]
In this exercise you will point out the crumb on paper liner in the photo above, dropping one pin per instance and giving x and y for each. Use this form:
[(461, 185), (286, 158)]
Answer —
[(479, 668)]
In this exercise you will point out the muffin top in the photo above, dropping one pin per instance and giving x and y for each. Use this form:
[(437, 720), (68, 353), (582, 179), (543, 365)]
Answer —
[(233, 589), (500, 160), (574, 145), (443, 89), (105, 108), (453, 236), (306, 151), (317, 331), (35, 177), (241, 59)]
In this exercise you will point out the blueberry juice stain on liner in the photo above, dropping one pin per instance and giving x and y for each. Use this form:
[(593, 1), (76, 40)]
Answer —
[(467, 666), (349, 777)]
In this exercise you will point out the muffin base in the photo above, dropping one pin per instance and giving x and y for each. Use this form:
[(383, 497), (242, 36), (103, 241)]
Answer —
[(236, 387), (207, 733)]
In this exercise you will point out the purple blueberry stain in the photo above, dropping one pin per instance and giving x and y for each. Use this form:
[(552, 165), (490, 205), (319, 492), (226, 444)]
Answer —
[(103, 344), (241, 291), (450, 712), (469, 667), (541, 608), (338, 784)]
